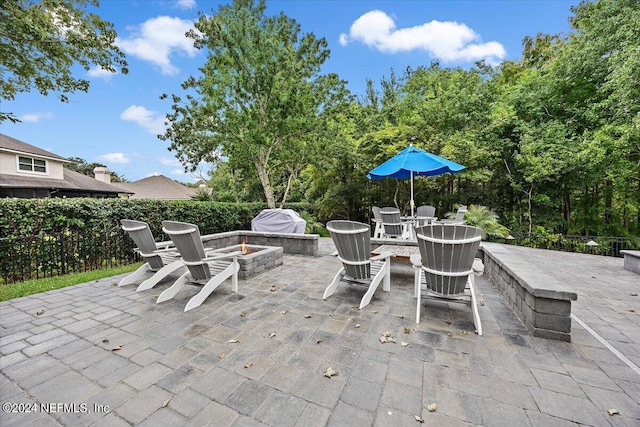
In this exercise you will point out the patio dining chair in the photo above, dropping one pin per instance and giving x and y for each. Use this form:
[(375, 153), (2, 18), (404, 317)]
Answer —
[(208, 269), (377, 220), (353, 242), (425, 211), (392, 224), (447, 265), (459, 218), (162, 258)]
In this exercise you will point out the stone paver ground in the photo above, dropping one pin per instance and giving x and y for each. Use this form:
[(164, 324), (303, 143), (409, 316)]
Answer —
[(96, 354)]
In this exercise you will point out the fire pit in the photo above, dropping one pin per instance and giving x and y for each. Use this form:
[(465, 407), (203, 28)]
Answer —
[(256, 259)]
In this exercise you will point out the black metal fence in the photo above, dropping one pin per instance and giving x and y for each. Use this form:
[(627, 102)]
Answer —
[(596, 245), (35, 257)]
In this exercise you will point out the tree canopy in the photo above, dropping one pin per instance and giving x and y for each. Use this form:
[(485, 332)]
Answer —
[(40, 41), (261, 100)]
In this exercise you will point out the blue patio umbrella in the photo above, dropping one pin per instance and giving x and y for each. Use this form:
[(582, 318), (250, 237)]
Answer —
[(414, 161)]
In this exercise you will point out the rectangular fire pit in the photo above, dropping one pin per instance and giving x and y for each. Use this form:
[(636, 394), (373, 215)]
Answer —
[(256, 260)]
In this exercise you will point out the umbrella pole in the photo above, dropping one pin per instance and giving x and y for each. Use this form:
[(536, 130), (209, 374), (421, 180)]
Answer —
[(412, 202)]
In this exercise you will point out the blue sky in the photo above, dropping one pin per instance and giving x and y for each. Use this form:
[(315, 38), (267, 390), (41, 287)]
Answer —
[(117, 121)]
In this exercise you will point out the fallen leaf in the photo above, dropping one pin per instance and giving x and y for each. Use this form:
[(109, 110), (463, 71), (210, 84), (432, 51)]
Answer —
[(156, 295), (116, 348), (383, 339), (318, 341), (283, 312), (330, 372), (634, 294), (631, 310), (375, 311), (105, 339), (308, 316), (418, 418), (243, 314), (406, 330), (448, 322), (221, 355), (404, 343), (415, 330), (233, 341), (355, 307), (465, 333), (386, 334), (331, 315), (449, 334), (166, 403), (114, 284), (400, 317), (40, 312), (273, 289), (357, 325), (272, 335), (432, 407), (481, 302), (613, 411), (248, 365)]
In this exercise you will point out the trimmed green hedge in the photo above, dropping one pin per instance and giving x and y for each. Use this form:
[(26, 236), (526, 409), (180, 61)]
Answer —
[(30, 217), (49, 237)]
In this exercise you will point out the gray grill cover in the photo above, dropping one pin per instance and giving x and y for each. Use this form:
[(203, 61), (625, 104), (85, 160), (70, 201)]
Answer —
[(279, 221)]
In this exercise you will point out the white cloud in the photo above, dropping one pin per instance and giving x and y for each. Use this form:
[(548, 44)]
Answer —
[(178, 172), (169, 161), (100, 73), (152, 121), (153, 174), (119, 158), (35, 117), (158, 38), (186, 4), (447, 41)]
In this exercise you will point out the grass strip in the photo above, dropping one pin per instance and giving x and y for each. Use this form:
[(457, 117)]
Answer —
[(31, 287)]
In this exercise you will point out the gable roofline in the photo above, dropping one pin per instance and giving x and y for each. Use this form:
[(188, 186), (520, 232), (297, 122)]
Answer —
[(15, 146)]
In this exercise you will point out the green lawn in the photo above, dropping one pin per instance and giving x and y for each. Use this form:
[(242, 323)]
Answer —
[(30, 287)]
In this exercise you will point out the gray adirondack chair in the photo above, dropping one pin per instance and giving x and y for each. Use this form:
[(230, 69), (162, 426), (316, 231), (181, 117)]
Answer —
[(446, 265), (162, 258), (392, 224), (209, 269), (377, 220), (458, 220), (425, 211), (353, 242)]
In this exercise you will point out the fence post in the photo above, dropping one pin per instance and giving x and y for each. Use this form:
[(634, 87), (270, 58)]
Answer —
[(63, 260)]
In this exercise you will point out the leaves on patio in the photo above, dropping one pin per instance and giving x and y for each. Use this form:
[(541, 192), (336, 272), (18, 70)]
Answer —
[(357, 325), (243, 314), (116, 348), (418, 419), (273, 288), (404, 343), (319, 340), (330, 372), (387, 338), (233, 341), (307, 316), (631, 310), (165, 403), (248, 365), (432, 407), (221, 355), (283, 312), (105, 339), (481, 302), (272, 335), (634, 294), (40, 312), (406, 330), (613, 412)]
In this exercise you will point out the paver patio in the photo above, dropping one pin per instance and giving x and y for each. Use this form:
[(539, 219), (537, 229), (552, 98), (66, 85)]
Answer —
[(122, 359)]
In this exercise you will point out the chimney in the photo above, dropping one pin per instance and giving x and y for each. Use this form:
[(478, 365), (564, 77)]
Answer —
[(102, 174)]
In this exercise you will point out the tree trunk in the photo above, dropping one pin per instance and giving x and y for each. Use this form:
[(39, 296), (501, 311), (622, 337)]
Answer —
[(266, 185)]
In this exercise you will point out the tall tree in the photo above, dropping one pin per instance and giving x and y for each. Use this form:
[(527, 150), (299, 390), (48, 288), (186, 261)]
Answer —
[(40, 41), (260, 99)]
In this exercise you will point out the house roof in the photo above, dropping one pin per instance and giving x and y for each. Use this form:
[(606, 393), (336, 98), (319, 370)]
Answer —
[(15, 145), (158, 187), (72, 181)]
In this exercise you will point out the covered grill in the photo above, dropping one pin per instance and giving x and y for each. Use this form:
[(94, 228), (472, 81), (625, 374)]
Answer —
[(279, 221)]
